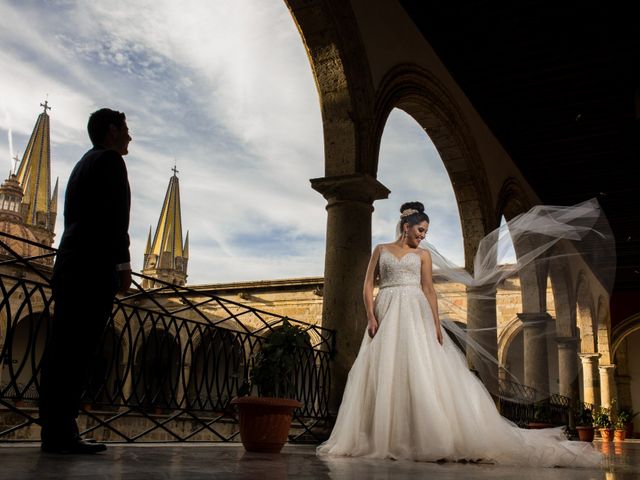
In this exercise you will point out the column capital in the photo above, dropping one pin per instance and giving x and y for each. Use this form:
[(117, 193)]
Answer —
[(358, 187), (568, 342), (606, 368), (589, 357), (530, 319)]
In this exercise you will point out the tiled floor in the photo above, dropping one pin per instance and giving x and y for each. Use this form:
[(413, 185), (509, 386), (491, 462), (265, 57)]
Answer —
[(212, 462)]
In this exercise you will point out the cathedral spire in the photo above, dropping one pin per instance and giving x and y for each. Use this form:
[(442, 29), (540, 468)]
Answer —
[(166, 256), (34, 176)]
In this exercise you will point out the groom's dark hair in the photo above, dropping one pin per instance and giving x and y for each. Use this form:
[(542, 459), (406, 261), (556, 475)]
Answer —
[(99, 122)]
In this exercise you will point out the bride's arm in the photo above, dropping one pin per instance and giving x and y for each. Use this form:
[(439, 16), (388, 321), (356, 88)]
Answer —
[(367, 292), (426, 278)]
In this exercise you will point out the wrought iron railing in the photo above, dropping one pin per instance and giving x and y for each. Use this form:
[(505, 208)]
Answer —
[(524, 405), (170, 361)]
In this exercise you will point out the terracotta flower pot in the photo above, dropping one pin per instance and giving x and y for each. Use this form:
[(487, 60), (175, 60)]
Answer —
[(606, 434), (618, 435), (539, 425), (586, 433), (265, 422)]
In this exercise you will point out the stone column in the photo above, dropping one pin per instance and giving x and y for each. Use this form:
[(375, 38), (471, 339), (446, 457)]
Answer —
[(607, 393), (536, 363), (183, 381), (590, 385), (568, 366), (348, 249), (482, 328), (127, 384)]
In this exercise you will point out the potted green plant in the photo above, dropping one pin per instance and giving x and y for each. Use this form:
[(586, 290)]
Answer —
[(628, 430), (265, 419), (602, 420), (622, 419), (584, 423)]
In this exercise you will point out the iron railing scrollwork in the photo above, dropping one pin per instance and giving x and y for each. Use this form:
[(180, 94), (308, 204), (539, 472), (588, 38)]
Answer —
[(169, 363), (524, 405)]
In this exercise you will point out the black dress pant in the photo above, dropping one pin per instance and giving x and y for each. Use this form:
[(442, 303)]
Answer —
[(79, 319)]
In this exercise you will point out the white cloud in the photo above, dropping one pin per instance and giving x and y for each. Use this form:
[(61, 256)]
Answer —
[(224, 88), (412, 169)]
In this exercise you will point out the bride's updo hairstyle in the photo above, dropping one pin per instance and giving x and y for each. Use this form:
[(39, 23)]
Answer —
[(413, 214)]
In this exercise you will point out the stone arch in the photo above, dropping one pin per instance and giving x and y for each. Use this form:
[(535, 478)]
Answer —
[(512, 356), (418, 93), (585, 315), (563, 297), (533, 280), (512, 200), (156, 369), (106, 377), (603, 328), (217, 370), (343, 79), (625, 328), (22, 355), (506, 337)]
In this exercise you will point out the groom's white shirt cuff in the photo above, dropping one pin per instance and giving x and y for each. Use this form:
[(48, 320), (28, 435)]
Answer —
[(123, 266)]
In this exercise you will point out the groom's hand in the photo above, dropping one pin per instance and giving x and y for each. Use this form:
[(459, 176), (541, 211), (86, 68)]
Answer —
[(125, 281)]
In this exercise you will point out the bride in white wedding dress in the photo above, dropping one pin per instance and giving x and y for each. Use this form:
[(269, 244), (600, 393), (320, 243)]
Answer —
[(410, 393)]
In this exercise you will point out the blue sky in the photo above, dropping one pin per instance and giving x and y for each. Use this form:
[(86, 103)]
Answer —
[(225, 90)]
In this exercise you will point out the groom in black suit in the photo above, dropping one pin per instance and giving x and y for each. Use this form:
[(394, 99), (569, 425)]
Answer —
[(91, 266)]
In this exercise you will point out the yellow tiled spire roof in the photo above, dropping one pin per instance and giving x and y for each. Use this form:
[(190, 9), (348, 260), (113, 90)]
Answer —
[(168, 236), (34, 173)]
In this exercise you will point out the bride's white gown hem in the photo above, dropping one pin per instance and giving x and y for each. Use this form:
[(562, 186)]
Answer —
[(408, 397)]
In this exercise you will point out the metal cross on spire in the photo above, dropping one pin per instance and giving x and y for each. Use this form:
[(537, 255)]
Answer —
[(174, 170), (46, 105), (15, 161)]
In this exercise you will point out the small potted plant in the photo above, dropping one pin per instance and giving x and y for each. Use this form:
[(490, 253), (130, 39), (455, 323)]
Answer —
[(620, 425), (629, 425), (265, 419), (602, 421), (584, 424)]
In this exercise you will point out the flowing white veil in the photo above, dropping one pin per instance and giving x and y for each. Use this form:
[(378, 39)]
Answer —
[(574, 241)]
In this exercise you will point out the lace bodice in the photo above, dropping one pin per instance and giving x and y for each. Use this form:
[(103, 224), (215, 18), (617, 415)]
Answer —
[(402, 271)]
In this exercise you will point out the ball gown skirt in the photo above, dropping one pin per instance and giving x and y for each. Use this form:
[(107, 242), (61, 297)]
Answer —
[(408, 397)]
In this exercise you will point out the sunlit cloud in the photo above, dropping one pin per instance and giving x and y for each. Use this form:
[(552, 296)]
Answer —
[(223, 90)]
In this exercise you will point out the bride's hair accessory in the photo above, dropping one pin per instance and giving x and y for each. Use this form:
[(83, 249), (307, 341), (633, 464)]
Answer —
[(407, 212)]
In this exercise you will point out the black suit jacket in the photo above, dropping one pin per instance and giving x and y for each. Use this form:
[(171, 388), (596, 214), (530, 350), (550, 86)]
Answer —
[(96, 221)]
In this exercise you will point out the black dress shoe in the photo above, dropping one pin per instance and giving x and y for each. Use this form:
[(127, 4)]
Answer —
[(76, 445)]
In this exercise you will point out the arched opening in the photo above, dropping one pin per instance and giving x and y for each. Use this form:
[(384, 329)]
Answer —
[(411, 167), (23, 349), (216, 370), (513, 362), (585, 317), (156, 373), (552, 344), (106, 371), (308, 383), (626, 354)]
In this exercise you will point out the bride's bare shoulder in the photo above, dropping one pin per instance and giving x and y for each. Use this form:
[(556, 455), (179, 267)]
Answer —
[(424, 253)]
